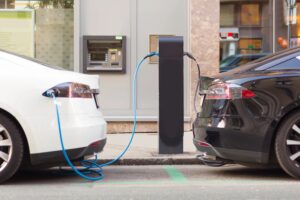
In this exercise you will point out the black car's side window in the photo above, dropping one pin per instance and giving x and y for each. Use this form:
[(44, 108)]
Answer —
[(293, 63)]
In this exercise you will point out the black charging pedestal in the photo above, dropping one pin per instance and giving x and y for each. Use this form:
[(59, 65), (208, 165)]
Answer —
[(171, 95)]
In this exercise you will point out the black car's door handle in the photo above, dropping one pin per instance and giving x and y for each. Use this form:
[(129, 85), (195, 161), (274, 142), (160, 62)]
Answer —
[(284, 83)]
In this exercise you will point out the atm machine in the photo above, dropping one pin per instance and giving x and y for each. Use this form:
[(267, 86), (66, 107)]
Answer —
[(104, 54)]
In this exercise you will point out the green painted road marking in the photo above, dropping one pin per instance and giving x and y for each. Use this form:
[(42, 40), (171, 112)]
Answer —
[(175, 175)]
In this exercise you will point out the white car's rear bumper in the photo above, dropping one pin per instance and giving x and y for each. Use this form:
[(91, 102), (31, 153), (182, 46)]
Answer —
[(57, 158), (82, 135)]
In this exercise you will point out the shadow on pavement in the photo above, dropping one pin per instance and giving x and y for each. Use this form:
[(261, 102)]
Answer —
[(44, 177), (253, 173)]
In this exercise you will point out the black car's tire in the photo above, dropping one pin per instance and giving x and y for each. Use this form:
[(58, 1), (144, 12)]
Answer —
[(11, 148), (285, 152)]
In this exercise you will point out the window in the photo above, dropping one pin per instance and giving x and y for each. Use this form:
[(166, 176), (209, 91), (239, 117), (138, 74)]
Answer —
[(7, 4), (250, 46), (250, 15), (40, 29), (227, 15), (245, 29), (291, 64)]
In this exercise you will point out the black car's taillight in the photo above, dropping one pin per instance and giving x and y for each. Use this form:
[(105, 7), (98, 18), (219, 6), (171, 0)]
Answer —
[(228, 91), (71, 90)]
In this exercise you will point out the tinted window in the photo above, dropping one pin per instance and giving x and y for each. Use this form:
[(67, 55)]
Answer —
[(257, 57), (233, 61), (243, 61), (287, 65), (227, 61)]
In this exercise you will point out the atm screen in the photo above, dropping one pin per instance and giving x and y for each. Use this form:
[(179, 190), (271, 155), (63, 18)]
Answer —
[(98, 56)]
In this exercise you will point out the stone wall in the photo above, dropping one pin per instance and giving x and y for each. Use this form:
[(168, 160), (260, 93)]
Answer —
[(205, 27), (142, 127)]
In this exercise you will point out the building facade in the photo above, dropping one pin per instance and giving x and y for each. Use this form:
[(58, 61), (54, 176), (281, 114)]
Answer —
[(54, 31)]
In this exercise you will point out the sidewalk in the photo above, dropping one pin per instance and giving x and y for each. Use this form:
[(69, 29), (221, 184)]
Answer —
[(144, 150)]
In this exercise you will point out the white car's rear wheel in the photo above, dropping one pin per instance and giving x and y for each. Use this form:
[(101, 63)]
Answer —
[(11, 148), (5, 147)]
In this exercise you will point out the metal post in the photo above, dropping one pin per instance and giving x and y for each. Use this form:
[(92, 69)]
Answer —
[(171, 95), (274, 26), (289, 23), (291, 4)]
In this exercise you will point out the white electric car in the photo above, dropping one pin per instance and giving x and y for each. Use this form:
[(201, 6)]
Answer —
[(28, 125)]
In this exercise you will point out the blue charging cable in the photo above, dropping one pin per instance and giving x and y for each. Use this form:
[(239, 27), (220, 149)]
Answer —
[(92, 166)]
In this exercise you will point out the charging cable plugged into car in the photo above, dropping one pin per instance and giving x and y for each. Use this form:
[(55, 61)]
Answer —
[(170, 50), (92, 166)]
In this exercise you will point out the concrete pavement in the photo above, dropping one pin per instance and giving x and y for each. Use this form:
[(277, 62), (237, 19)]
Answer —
[(156, 182)]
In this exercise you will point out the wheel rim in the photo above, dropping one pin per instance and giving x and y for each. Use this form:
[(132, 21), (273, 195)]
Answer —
[(6, 148)]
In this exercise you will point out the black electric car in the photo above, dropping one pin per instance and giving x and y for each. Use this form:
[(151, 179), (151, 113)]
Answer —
[(251, 114), (234, 61)]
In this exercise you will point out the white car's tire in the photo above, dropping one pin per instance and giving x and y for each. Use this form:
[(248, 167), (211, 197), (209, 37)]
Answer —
[(11, 148)]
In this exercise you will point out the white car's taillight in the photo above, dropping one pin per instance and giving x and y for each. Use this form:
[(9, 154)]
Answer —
[(71, 90), (228, 91)]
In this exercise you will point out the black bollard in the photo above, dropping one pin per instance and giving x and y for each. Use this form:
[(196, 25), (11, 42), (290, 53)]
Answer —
[(171, 95)]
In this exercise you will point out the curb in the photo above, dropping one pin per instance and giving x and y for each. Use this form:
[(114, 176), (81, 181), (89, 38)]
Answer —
[(155, 161)]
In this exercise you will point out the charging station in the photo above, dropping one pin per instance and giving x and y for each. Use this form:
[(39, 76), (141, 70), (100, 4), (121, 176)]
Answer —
[(171, 95), (171, 106)]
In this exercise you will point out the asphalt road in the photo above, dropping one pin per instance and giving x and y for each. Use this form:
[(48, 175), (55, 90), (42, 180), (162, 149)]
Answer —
[(155, 182)]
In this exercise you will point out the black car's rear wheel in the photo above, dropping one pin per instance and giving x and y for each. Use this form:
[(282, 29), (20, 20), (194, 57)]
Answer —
[(287, 145), (11, 148)]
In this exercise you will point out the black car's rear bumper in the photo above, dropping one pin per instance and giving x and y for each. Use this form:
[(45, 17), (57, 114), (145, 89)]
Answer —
[(243, 145), (233, 154), (57, 158)]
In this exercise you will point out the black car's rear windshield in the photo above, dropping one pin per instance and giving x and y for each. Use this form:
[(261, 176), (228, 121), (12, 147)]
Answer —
[(264, 60)]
